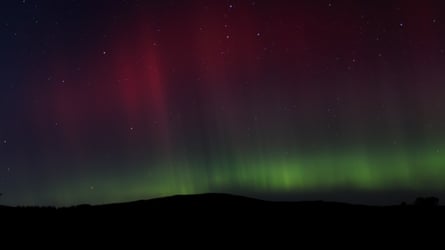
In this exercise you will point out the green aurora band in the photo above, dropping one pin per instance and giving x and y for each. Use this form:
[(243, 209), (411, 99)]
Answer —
[(359, 170)]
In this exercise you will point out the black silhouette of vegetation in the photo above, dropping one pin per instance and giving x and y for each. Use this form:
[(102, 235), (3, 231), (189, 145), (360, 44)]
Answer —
[(427, 202)]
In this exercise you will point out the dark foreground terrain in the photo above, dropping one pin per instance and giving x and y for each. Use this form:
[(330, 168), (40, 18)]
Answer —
[(225, 204), (222, 214)]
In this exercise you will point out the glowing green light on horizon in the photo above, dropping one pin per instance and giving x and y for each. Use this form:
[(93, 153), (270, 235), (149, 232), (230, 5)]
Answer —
[(358, 170)]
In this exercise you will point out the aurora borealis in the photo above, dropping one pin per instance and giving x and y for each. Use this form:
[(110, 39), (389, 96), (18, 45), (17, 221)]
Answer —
[(110, 101)]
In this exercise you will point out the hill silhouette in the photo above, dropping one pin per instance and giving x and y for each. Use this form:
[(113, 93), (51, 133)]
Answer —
[(224, 210), (228, 201)]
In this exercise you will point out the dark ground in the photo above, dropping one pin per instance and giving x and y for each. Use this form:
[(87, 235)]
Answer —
[(225, 218), (226, 204)]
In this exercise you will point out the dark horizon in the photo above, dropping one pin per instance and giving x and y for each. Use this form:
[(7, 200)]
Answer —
[(220, 200)]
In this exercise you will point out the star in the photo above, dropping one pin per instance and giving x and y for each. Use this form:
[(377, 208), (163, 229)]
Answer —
[(401, 25), (5, 141), (258, 34)]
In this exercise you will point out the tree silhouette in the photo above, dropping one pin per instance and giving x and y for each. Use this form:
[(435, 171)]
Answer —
[(427, 202)]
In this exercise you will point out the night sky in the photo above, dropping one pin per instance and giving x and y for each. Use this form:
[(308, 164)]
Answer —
[(109, 101)]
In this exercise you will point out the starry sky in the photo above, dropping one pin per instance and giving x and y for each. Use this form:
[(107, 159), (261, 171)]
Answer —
[(110, 101)]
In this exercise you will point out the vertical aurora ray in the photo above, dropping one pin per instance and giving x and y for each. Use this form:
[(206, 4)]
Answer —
[(380, 170)]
